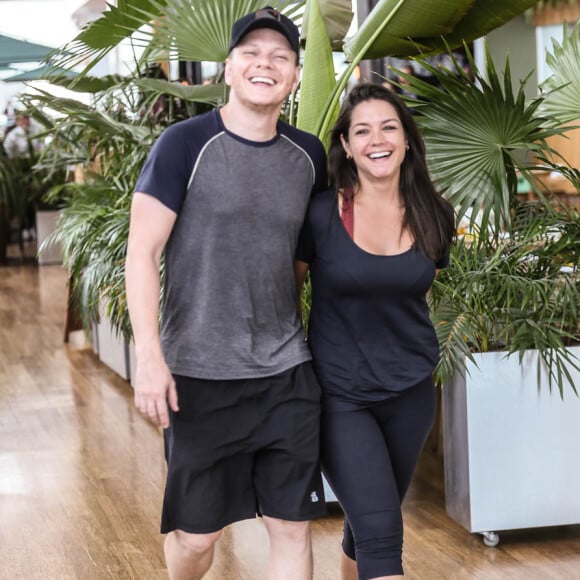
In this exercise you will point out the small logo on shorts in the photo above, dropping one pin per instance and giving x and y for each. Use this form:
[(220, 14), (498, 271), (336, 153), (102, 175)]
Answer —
[(313, 497)]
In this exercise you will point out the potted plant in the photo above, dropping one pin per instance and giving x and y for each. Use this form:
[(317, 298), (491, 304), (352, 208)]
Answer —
[(23, 185), (7, 201), (507, 309)]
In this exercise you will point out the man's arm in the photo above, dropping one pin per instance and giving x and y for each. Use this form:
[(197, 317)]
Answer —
[(151, 225)]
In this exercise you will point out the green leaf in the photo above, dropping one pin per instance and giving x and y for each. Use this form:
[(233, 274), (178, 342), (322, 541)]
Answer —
[(563, 85), (199, 30), (337, 16), (399, 27), (510, 295), (405, 28), (191, 30), (483, 17), (318, 78), (493, 133), (89, 84), (211, 94), (116, 24)]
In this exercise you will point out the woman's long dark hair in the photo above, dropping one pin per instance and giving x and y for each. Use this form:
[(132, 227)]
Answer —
[(429, 217)]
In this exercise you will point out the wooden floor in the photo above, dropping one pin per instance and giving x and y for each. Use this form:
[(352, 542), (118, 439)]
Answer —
[(81, 475)]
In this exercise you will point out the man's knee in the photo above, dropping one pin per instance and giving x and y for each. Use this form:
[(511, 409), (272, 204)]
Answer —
[(193, 544), (287, 530)]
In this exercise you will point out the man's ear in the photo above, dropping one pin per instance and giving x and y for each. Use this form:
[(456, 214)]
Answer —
[(227, 74), (296, 78)]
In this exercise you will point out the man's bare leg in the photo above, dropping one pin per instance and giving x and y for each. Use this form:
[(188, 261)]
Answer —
[(290, 550), (189, 556)]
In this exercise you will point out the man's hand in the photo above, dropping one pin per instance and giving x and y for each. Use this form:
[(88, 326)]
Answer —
[(154, 390)]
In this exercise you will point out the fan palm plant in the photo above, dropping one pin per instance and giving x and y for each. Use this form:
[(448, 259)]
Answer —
[(513, 284)]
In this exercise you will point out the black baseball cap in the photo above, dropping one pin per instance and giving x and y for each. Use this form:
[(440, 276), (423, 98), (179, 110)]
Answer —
[(267, 17)]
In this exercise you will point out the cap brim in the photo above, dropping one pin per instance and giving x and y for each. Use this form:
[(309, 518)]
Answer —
[(264, 23)]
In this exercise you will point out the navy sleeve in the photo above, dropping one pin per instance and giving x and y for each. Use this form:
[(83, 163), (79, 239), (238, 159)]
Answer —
[(170, 163), (305, 247), (166, 172), (314, 149), (319, 159)]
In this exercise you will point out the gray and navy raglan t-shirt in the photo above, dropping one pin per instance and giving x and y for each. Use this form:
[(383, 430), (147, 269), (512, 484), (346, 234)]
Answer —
[(229, 303)]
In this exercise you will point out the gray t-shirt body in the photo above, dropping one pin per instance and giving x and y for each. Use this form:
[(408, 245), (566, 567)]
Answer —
[(229, 303)]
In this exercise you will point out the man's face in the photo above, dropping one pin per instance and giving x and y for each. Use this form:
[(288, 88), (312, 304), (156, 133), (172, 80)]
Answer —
[(262, 70), (23, 122)]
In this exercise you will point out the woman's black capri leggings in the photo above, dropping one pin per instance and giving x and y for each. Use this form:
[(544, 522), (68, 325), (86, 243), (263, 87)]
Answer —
[(368, 457)]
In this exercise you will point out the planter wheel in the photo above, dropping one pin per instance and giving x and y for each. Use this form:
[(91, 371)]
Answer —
[(490, 539)]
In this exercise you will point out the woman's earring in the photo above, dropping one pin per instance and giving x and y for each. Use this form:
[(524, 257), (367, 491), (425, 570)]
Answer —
[(348, 156), (407, 147)]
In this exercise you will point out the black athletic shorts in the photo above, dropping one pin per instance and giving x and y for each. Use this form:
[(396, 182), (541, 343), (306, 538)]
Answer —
[(238, 448)]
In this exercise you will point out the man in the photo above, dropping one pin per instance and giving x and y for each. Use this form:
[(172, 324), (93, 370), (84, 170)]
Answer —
[(223, 195), (20, 141)]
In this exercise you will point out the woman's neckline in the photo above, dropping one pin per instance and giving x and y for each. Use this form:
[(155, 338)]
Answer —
[(345, 232)]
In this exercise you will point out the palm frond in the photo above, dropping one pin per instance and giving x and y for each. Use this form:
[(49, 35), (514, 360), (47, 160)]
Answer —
[(562, 87), (494, 133), (117, 24), (212, 94)]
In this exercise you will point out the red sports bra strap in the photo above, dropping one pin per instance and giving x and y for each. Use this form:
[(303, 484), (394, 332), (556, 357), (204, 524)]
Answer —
[(348, 216)]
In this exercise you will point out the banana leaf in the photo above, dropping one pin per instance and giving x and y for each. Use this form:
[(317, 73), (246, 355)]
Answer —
[(318, 77), (337, 16), (403, 28)]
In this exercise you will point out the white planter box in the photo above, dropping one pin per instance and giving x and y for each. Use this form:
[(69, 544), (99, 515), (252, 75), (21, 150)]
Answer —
[(511, 447), (328, 493), (113, 350), (46, 222)]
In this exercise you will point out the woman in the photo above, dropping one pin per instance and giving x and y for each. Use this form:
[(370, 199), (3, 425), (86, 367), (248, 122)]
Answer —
[(373, 245)]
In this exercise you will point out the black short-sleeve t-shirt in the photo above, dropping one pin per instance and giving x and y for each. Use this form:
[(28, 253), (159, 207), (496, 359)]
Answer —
[(369, 330)]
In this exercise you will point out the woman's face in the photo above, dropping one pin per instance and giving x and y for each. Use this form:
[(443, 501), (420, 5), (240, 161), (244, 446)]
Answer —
[(376, 140)]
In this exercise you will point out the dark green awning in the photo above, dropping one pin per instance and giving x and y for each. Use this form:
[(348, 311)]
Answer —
[(14, 50), (45, 72)]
